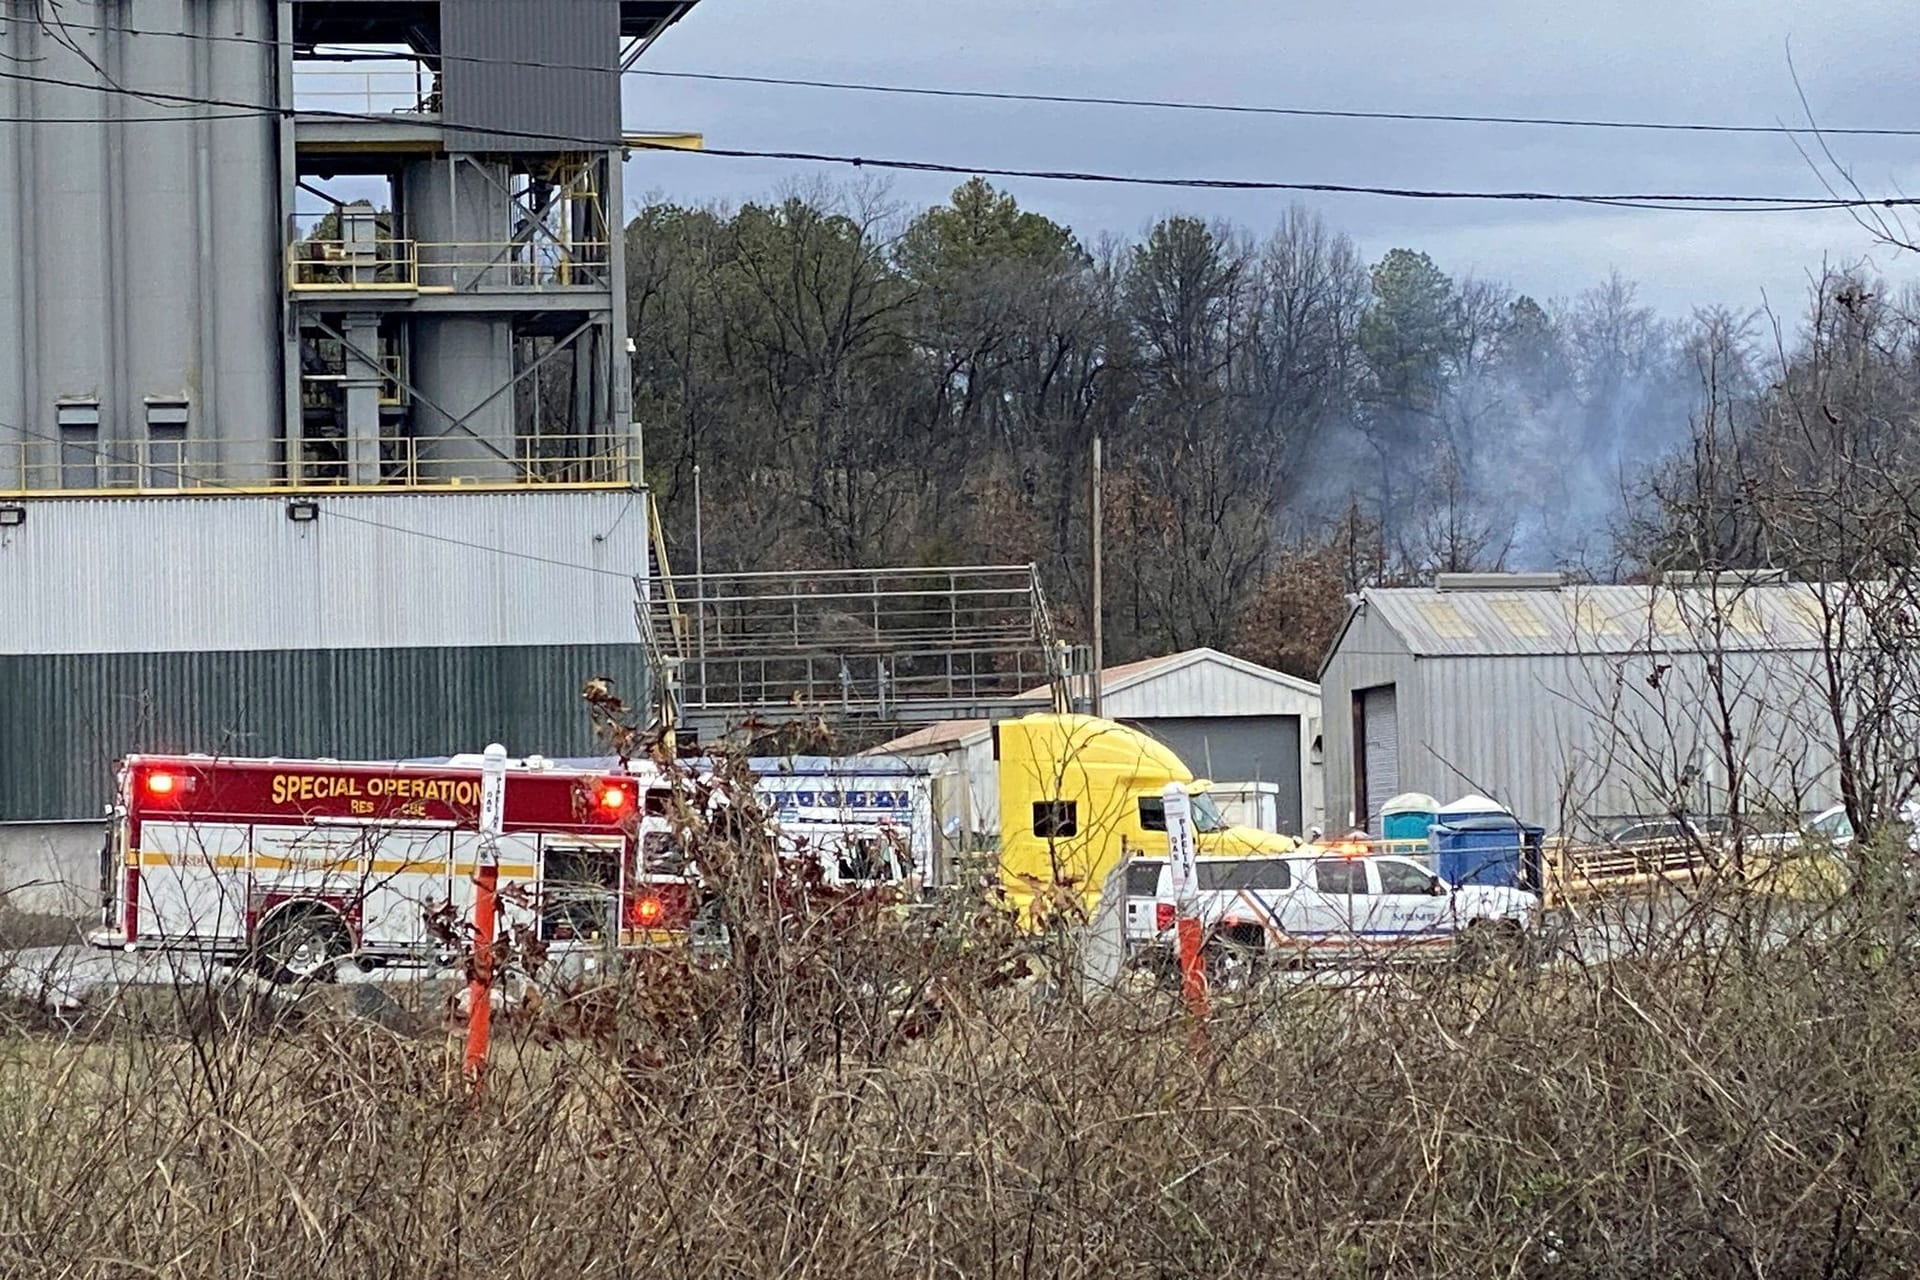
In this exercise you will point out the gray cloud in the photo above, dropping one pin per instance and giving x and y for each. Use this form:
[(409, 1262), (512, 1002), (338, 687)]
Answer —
[(1708, 60)]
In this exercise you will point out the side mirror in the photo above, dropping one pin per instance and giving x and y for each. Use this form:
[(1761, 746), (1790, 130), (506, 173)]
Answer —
[(1437, 887)]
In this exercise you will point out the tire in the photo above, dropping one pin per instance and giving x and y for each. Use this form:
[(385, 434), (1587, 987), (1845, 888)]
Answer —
[(1488, 941), (302, 944), (1234, 960)]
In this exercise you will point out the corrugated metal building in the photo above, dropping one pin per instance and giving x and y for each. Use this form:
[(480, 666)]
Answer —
[(383, 626), (1230, 720), (389, 301), (1572, 704)]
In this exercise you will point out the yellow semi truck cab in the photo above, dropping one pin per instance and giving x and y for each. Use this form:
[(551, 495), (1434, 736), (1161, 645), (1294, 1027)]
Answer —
[(1076, 791)]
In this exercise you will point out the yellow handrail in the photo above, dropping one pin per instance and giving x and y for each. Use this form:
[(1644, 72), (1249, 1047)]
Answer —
[(201, 465), (347, 266)]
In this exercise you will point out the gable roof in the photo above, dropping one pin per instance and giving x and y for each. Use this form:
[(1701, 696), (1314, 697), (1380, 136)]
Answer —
[(1735, 617), (1130, 675), (941, 735)]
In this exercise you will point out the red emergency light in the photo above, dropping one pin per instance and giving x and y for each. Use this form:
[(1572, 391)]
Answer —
[(659, 905), (162, 785)]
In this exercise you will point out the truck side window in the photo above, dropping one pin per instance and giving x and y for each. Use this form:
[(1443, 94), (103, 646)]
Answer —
[(1055, 819), (1404, 878), (1254, 873), (1143, 878), (1153, 813), (1340, 875)]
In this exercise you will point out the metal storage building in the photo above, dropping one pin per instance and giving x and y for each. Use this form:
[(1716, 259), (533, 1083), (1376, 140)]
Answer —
[(1230, 720), (1575, 704)]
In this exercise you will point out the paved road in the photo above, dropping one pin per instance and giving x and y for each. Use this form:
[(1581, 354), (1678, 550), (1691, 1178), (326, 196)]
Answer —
[(75, 977), (65, 979)]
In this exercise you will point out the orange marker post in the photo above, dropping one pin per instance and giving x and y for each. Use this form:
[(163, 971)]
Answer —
[(493, 794), (1186, 902)]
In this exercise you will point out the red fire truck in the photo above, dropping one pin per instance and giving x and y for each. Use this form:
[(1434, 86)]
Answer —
[(298, 865)]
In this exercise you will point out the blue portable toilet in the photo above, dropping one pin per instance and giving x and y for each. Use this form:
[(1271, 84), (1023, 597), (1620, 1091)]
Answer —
[(1408, 815), (1406, 823), (1479, 841)]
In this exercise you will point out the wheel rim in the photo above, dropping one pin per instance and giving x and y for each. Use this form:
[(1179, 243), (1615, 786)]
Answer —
[(302, 947)]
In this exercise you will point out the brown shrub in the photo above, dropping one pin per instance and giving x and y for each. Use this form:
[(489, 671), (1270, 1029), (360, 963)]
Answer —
[(1736, 1093)]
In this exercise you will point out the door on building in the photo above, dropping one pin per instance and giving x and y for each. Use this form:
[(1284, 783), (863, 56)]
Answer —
[(1376, 753), (1239, 749)]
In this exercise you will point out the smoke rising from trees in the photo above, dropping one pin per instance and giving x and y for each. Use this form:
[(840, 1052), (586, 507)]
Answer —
[(1283, 421)]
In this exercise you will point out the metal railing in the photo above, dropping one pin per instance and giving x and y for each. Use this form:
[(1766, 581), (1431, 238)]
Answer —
[(1577, 869), (203, 465), (429, 266), (881, 642), (399, 88)]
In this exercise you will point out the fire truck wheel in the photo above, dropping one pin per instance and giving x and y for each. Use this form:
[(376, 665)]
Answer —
[(302, 944)]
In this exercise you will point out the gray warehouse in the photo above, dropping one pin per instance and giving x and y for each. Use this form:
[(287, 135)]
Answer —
[(1574, 705)]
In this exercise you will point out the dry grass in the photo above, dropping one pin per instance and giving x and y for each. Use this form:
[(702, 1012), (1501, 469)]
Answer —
[(1738, 1096), (1649, 1119)]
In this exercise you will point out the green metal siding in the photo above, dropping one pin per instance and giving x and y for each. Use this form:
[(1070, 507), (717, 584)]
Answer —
[(65, 718)]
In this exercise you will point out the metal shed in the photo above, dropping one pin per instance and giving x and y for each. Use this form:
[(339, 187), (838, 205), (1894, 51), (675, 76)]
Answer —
[(1229, 719), (1573, 704)]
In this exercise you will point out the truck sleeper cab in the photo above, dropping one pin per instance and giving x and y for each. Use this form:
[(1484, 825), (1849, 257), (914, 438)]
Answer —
[(1078, 795)]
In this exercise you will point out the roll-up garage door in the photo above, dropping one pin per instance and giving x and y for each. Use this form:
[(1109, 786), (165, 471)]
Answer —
[(1380, 738)]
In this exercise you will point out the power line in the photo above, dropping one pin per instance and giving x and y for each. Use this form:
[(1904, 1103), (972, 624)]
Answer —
[(1241, 108), (345, 53), (1670, 201)]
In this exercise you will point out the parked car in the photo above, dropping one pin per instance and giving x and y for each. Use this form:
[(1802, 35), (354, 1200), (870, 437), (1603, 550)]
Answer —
[(1833, 826), (1310, 908)]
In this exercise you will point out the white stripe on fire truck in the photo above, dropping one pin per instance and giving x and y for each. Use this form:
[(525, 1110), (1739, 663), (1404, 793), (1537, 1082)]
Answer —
[(267, 862)]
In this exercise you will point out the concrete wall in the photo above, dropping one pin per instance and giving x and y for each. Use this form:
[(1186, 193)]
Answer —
[(51, 868), (142, 253)]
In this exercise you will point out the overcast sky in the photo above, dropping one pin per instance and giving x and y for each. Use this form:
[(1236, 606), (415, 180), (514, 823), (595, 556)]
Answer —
[(1695, 60)]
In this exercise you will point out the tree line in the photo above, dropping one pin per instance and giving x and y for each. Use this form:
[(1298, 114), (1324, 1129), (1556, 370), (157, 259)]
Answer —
[(1282, 421)]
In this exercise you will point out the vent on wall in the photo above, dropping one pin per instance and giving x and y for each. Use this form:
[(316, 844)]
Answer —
[(166, 412), (79, 421), (1498, 581), (77, 414)]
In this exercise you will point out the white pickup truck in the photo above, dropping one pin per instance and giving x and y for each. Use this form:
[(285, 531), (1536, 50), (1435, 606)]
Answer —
[(1314, 907)]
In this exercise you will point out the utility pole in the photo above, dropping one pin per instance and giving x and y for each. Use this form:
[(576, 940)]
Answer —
[(1099, 600), (700, 580)]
